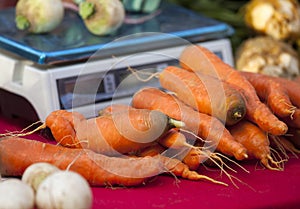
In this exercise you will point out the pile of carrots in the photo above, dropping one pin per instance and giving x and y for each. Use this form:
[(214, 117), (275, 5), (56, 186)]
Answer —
[(205, 112)]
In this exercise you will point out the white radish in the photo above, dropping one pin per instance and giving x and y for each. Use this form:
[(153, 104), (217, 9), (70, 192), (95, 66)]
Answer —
[(16, 194), (37, 172), (64, 190)]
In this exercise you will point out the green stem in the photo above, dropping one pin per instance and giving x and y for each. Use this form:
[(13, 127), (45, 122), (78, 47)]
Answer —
[(86, 9), (22, 22)]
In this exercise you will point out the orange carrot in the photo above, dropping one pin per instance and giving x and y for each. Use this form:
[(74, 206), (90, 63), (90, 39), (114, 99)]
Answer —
[(176, 167), (273, 92), (293, 89), (200, 59), (256, 142), (97, 169), (204, 93), (114, 134), (193, 159), (62, 125), (110, 109), (205, 126), (175, 140)]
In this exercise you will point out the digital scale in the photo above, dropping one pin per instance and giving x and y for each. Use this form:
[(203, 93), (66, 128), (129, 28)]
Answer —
[(72, 69)]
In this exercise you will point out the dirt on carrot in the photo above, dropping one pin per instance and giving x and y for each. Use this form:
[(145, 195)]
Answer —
[(199, 59)]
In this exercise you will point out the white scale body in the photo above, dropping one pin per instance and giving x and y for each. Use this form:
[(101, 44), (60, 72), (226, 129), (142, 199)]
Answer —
[(39, 85)]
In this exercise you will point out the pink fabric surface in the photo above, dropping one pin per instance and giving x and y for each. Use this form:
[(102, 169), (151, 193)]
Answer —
[(258, 189)]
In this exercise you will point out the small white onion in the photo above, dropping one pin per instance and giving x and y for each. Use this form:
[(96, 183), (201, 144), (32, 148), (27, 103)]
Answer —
[(64, 190), (16, 194)]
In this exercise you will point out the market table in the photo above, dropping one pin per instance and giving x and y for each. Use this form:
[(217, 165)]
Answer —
[(259, 189)]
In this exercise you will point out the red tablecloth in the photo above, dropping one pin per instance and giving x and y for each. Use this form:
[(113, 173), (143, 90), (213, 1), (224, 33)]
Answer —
[(259, 189)]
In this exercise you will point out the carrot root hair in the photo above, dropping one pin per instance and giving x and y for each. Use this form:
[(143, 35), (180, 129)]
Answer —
[(284, 145), (137, 74), (215, 158), (193, 175), (23, 131)]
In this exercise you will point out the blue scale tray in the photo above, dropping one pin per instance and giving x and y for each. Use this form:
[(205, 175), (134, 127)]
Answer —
[(71, 41)]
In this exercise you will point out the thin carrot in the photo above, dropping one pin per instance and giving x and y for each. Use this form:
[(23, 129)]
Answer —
[(199, 59), (114, 134), (273, 92), (178, 168), (98, 169), (256, 142), (193, 159), (205, 93), (175, 140), (205, 126)]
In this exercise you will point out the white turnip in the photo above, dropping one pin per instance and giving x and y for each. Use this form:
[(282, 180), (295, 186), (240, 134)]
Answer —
[(102, 17), (37, 172), (39, 16), (64, 190), (16, 194)]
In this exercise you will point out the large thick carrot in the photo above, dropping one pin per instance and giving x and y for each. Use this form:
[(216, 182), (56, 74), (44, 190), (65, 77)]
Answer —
[(199, 59), (256, 142), (114, 134), (205, 93), (203, 125), (272, 92), (99, 170)]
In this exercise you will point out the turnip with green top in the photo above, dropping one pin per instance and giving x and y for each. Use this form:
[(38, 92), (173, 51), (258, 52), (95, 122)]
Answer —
[(39, 16), (102, 17)]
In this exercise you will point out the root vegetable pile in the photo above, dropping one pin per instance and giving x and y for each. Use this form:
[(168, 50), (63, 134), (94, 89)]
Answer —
[(204, 114)]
